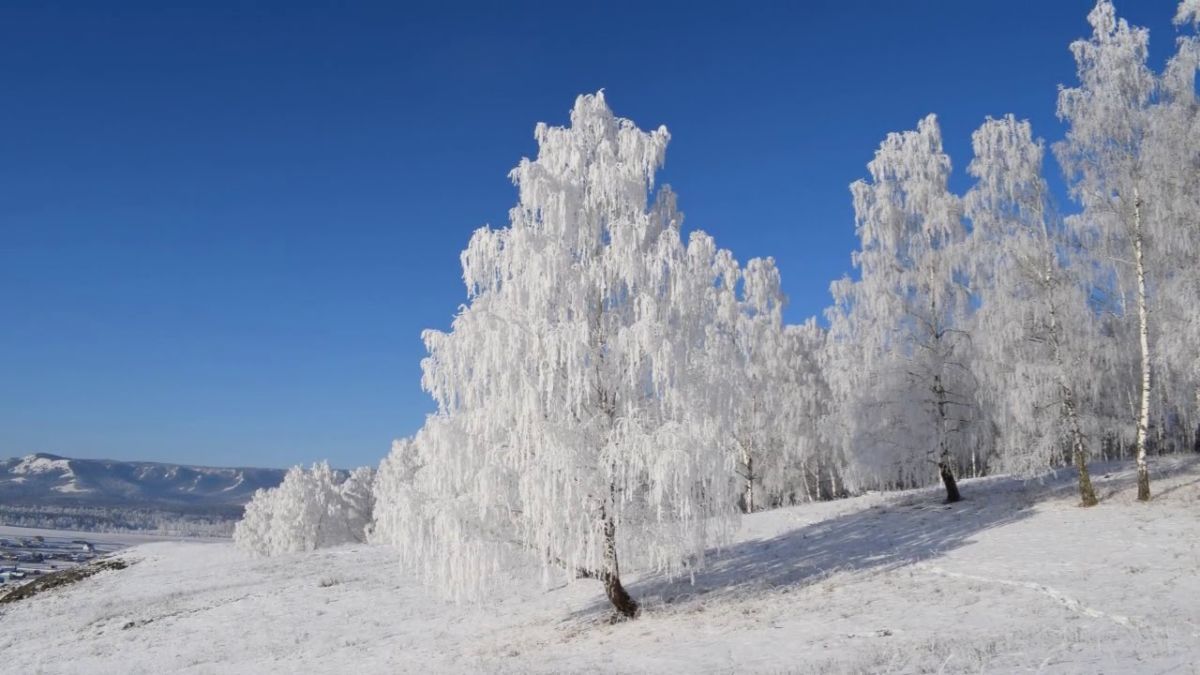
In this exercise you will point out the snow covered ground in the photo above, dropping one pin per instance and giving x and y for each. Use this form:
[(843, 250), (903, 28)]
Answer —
[(1014, 579), (26, 552)]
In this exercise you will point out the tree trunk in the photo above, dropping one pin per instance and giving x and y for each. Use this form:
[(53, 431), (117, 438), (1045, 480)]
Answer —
[(748, 460), (1079, 453), (951, 485), (1143, 422), (1196, 431), (1087, 493), (808, 496), (944, 450), (620, 599)]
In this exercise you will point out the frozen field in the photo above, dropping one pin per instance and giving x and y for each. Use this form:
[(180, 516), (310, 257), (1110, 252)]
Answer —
[(109, 540), (26, 552), (1014, 579)]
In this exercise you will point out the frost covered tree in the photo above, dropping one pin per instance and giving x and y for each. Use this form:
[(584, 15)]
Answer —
[(1188, 12), (765, 400), (782, 397), (357, 496), (310, 509), (904, 388), (1036, 344), (1173, 197), (813, 467), (1121, 166), (582, 416)]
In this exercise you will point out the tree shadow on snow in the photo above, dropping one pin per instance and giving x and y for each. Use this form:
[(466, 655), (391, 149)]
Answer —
[(899, 531), (1118, 479)]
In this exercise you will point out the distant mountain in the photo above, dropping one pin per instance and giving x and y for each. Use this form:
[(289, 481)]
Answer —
[(49, 480)]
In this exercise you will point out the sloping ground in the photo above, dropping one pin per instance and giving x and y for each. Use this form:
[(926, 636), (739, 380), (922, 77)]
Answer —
[(58, 579), (1015, 579)]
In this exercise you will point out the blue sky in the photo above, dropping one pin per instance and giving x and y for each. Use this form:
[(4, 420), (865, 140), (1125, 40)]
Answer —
[(223, 226)]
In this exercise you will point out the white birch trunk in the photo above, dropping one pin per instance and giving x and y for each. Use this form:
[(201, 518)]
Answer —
[(1143, 420)]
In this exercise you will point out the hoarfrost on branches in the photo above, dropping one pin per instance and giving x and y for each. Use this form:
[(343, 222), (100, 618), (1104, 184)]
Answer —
[(903, 383), (1189, 11), (581, 412), (1038, 349), (1130, 154), (781, 398), (311, 509)]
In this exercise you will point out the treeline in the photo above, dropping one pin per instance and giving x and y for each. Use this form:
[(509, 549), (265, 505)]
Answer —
[(120, 520), (614, 391)]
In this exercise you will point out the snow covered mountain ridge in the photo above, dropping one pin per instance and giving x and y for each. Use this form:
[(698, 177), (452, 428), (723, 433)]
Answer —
[(43, 479)]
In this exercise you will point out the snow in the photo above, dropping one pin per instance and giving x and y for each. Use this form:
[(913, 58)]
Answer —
[(36, 464), (1189, 11), (110, 540), (39, 464), (1015, 578), (241, 478), (69, 486)]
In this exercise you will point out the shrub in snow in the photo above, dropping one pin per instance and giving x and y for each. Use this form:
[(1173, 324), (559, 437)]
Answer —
[(311, 509)]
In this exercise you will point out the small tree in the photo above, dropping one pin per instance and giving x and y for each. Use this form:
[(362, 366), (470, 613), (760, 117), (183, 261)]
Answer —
[(309, 510), (818, 464), (781, 454), (357, 495), (582, 417)]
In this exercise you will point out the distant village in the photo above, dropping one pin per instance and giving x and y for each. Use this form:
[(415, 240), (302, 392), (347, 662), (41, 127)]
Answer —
[(24, 558)]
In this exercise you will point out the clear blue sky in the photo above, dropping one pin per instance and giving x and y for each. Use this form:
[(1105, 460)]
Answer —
[(223, 226)]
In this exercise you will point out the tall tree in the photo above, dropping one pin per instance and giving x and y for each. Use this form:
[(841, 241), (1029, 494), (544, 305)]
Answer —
[(906, 391), (582, 413), (1117, 162), (1173, 149), (1035, 339)]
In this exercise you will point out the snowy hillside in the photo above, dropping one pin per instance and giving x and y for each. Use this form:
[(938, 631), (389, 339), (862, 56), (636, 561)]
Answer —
[(1016, 578)]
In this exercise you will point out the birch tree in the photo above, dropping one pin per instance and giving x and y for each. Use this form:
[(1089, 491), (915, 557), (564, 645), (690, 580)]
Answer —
[(783, 400), (1106, 157), (815, 468), (1173, 200), (905, 387), (764, 405), (1034, 335), (582, 417)]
